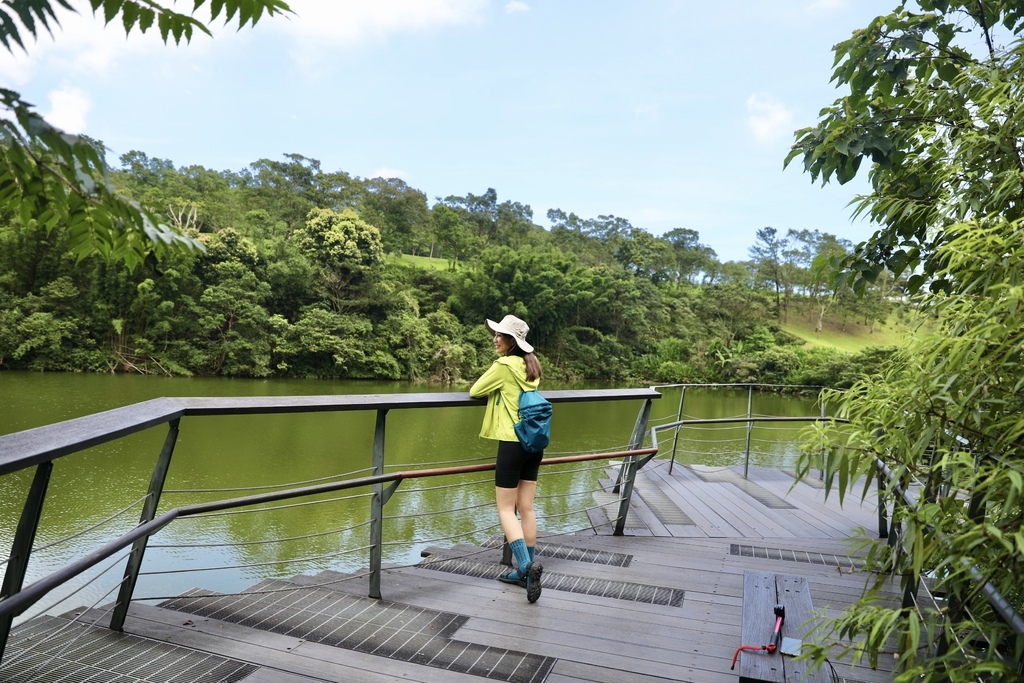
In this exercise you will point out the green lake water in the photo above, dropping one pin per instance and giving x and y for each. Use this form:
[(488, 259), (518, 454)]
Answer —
[(230, 456)]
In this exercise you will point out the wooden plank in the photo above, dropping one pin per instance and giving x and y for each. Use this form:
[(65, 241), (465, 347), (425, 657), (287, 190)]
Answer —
[(635, 637), (795, 596), (706, 521), (759, 601), (278, 652)]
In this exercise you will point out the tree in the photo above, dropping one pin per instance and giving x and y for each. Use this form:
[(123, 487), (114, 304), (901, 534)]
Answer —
[(399, 211), (450, 232), (51, 177), (345, 247), (940, 120), (690, 258), (644, 254), (767, 256)]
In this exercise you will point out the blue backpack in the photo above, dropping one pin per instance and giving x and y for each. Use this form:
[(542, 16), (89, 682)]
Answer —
[(534, 425)]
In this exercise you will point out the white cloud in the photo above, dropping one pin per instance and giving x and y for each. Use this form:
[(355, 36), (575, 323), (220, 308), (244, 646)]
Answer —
[(385, 172), (68, 108), (649, 112), (79, 44), (354, 21), (15, 68), (516, 6), (768, 118), (826, 5)]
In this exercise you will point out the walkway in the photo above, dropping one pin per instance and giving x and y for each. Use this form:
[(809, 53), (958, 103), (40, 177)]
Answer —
[(662, 603)]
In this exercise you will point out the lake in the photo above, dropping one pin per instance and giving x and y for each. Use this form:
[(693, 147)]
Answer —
[(231, 456)]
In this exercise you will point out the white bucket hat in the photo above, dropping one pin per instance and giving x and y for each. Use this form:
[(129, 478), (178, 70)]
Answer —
[(513, 327)]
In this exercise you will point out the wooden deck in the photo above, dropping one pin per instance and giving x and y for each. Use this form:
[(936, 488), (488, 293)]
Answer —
[(662, 603)]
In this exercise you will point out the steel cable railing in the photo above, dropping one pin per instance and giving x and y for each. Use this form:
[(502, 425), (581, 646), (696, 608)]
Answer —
[(41, 446), (268, 563), (224, 513), (423, 541), (149, 528), (267, 487), (364, 574), (417, 541), (89, 529), (904, 492)]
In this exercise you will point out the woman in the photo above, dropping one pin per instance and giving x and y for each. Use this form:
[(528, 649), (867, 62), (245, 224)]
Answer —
[(515, 477)]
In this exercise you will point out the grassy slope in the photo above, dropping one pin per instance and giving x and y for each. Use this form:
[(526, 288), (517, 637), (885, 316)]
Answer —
[(855, 337), (419, 261)]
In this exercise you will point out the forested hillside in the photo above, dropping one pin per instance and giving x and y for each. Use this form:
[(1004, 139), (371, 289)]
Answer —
[(296, 280)]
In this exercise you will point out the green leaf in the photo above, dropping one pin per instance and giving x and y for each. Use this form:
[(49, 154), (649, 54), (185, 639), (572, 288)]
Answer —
[(111, 8), (164, 25), (146, 18), (129, 15), (947, 71)]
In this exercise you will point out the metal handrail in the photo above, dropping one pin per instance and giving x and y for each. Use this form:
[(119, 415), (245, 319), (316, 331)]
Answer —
[(39, 447), (19, 602), (750, 418), (998, 603), (737, 420)]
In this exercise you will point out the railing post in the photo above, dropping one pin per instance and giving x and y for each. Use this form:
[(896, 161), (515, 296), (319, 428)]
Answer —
[(824, 454), (156, 488), (377, 507), (675, 439), (883, 520), (976, 506), (21, 547), (627, 472), (750, 427)]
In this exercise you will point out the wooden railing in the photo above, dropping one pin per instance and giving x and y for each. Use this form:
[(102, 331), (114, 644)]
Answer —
[(40, 447)]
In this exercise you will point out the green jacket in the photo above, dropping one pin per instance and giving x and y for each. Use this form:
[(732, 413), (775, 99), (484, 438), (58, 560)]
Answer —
[(501, 385)]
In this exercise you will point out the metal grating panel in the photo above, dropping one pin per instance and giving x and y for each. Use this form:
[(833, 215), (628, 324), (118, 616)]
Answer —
[(48, 649), (609, 504), (377, 627), (662, 506), (788, 555), (727, 476), (620, 590), (570, 552)]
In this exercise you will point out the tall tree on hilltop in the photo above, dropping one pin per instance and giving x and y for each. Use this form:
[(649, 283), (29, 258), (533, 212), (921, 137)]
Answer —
[(767, 256)]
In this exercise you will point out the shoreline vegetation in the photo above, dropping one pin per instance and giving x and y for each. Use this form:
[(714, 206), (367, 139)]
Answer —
[(315, 274)]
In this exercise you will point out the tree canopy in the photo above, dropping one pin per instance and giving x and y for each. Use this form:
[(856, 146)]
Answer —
[(311, 272)]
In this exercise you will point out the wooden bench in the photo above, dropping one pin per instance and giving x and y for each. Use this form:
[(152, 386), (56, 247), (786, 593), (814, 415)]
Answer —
[(762, 591)]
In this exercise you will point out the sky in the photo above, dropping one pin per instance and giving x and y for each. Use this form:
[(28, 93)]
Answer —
[(668, 113)]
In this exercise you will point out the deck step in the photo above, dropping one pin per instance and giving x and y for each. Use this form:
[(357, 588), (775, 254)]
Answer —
[(47, 649), (571, 552), (458, 561), (377, 627)]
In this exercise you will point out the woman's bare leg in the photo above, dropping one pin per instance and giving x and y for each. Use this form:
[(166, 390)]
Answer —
[(506, 501), (524, 501)]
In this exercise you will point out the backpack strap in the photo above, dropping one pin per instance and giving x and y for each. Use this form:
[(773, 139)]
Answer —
[(509, 410)]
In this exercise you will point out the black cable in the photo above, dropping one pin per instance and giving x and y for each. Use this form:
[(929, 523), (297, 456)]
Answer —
[(835, 675)]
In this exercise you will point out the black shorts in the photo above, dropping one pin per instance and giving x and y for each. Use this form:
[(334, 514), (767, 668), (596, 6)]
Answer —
[(515, 464)]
